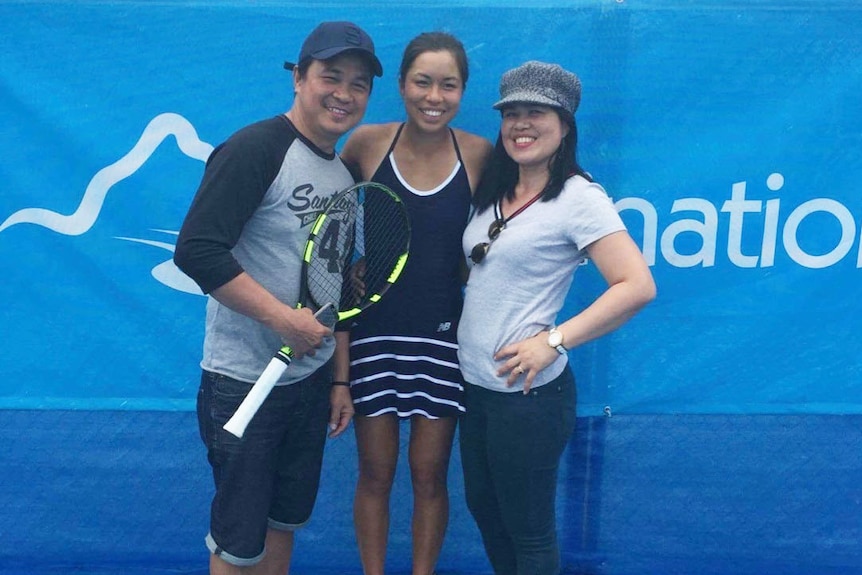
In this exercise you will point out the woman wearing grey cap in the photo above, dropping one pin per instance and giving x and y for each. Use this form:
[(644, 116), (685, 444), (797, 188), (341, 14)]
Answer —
[(538, 215)]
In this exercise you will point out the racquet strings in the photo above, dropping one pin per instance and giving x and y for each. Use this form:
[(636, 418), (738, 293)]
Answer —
[(359, 248)]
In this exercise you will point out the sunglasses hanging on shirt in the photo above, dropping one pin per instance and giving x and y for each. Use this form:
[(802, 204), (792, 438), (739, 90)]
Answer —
[(480, 250)]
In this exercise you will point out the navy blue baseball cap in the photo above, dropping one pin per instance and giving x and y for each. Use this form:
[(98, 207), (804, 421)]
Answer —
[(332, 38)]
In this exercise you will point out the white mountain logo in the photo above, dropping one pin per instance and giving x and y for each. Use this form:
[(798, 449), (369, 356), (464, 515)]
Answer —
[(159, 128)]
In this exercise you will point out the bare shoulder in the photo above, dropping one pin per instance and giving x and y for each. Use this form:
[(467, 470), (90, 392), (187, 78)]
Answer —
[(474, 149), (366, 146), (366, 139)]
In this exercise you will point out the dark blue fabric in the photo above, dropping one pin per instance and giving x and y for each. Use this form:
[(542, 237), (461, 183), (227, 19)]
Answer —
[(272, 472), (437, 222), (678, 121), (511, 445), (117, 493), (419, 375), (683, 103)]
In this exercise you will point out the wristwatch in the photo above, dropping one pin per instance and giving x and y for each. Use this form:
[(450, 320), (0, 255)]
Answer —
[(555, 340)]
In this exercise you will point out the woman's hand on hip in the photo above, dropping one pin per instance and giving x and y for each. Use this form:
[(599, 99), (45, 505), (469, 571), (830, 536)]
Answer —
[(525, 358)]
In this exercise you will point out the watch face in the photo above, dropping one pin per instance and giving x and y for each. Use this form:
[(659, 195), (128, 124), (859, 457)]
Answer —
[(555, 338)]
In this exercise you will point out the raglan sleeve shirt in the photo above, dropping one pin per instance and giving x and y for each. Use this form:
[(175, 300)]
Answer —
[(260, 193), (237, 176)]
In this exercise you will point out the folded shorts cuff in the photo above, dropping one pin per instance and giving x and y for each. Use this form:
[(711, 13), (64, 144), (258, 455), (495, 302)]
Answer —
[(232, 559)]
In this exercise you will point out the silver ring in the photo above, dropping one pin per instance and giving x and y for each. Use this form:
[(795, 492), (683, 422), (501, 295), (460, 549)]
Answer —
[(519, 369)]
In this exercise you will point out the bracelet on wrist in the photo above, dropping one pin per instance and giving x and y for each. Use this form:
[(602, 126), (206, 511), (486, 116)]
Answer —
[(342, 383)]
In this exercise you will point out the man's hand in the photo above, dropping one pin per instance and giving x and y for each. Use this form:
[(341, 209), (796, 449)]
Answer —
[(298, 328), (304, 333)]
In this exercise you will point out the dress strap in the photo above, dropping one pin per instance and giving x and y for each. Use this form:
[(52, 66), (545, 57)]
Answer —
[(455, 142), (395, 139)]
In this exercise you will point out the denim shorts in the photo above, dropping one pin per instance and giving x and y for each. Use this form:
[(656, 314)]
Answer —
[(269, 478)]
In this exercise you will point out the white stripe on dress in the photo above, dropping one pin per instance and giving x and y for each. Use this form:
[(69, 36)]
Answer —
[(427, 358), (430, 398), (407, 377)]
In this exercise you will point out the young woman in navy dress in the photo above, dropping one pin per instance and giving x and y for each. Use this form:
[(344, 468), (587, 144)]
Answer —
[(403, 362)]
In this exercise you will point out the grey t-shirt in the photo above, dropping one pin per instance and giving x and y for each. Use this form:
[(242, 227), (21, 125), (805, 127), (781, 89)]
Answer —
[(260, 194), (519, 288)]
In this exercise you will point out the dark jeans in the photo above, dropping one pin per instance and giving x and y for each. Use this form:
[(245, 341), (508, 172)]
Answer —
[(511, 445), (270, 477)]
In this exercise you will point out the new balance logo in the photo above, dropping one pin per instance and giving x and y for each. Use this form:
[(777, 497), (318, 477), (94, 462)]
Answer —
[(445, 326)]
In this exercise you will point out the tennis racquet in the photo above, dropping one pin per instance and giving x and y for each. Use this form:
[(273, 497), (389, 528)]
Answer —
[(356, 250)]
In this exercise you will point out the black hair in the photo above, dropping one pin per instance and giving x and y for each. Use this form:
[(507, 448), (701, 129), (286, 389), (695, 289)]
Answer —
[(501, 172), (302, 67), (434, 42)]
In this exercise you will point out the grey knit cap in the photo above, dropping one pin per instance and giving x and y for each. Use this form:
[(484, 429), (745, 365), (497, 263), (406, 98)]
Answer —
[(539, 83)]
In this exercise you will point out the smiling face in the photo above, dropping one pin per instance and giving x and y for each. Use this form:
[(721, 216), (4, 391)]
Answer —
[(331, 98), (432, 90), (532, 133)]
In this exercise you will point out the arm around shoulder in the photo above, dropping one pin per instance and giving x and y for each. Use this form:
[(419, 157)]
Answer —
[(364, 149)]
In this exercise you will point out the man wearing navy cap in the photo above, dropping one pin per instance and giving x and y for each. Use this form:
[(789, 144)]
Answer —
[(241, 241)]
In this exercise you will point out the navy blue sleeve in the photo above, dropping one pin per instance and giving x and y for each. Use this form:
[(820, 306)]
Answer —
[(237, 176)]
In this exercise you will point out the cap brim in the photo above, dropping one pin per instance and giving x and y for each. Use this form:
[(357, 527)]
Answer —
[(525, 97), (376, 66)]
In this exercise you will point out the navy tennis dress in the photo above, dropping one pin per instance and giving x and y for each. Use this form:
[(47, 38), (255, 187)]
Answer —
[(403, 351)]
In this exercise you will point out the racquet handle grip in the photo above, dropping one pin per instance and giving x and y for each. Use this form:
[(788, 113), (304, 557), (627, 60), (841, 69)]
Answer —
[(258, 393)]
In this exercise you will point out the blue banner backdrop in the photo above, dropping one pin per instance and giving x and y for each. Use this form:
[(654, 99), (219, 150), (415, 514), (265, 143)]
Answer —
[(729, 133)]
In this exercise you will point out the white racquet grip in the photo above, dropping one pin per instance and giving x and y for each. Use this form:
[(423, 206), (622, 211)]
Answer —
[(260, 390), (256, 396)]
